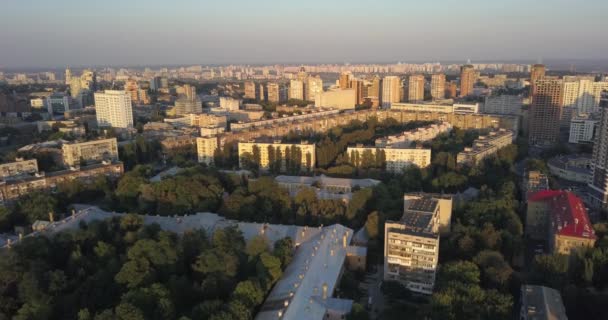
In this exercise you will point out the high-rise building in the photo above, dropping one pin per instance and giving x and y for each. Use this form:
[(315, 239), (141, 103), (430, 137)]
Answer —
[(391, 90), (251, 91), (545, 112), (296, 89), (113, 109), (468, 76), (314, 86), (340, 99), (451, 90), (598, 186), (438, 86), (276, 92), (537, 72), (262, 92), (582, 96), (132, 88), (68, 76), (357, 85), (411, 245), (344, 81), (185, 106), (415, 86)]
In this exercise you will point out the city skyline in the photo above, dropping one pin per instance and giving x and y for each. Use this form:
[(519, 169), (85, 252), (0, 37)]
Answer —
[(189, 32)]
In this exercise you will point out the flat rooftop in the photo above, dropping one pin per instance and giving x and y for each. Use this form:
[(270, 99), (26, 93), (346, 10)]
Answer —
[(426, 204)]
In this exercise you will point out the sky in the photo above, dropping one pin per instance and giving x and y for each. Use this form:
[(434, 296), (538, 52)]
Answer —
[(58, 33)]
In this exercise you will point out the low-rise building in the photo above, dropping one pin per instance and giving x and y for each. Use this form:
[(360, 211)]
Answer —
[(406, 138), (13, 189), (484, 147), (17, 169), (90, 151), (541, 303), (574, 167), (282, 152), (326, 188), (583, 128), (411, 245), (437, 107), (182, 142), (394, 159), (560, 218)]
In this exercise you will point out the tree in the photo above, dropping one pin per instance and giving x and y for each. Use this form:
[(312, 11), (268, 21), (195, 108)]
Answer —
[(257, 245), (372, 225), (269, 268), (216, 261), (249, 292), (283, 249), (37, 206)]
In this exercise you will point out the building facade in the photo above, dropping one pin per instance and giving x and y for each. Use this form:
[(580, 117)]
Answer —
[(468, 77), (503, 104), (342, 99), (438, 86), (484, 147), (395, 159), (18, 168), (113, 109), (305, 154), (415, 88), (90, 151), (545, 113), (391, 91), (206, 148)]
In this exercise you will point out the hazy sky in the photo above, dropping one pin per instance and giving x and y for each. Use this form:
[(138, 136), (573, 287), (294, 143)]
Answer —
[(56, 33)]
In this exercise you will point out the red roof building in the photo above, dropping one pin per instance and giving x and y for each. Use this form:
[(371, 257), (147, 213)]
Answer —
[(561, 218)]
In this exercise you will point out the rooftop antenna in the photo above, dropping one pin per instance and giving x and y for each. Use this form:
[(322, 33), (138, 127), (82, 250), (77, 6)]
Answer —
[(469, 61)]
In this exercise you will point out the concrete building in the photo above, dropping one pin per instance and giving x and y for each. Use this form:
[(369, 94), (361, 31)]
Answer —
[(206, 148), (252, 90), (17, 169), (307, 115), (345, 79), (541, 303), (560, 218), (277, 93), (415, 88), (438, 86), (326, 188), (582, 96), (89, 151), (296, 89), (598, 185), (185, 106), (305, 151), (13, 189), (537, 72), (437, 107), (411, 245), (484, 147), (468, 77), (574, 167), (230, 104), (407, 138), (395, 159), (444, 207), (113, 109), (342, 99), (583, 129), (503, 104), (545, 113), (58, 103), (533, 182), (314, 87), (206, 120), (391, 91)]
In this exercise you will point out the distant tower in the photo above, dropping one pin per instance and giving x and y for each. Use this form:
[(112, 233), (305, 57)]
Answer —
[(536, 73), (68, 75), (545, 113), (467, 80), (438, 86), (415, 88)]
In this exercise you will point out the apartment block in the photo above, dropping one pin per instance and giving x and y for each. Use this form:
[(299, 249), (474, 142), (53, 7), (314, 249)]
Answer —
[(545, 113), (396, 159), (113, 109), (485, 146), (90, 151), (583, 129), (411, 245), (305, 153), (407, 138), (18, 168), (342, 99), (205, 149), (503, 104), (438, 86)]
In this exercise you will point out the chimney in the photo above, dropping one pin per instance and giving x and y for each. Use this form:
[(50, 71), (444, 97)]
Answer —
[(344, 239), (51, 216), (324, 291)]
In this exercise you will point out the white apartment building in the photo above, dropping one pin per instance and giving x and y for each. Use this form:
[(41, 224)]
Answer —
[(391, 91), (397, 159), (205, 149), (406, 138), (582, 96), (434, 107), (113, 109), (411, 245), (90, 151), (296, 89), (485, 146), (503, 104), (307, 151), (582, 129)]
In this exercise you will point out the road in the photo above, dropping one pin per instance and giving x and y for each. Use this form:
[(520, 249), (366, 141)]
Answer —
[(371, 285)]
